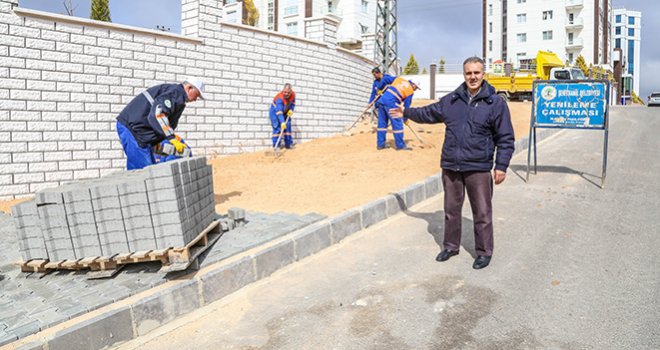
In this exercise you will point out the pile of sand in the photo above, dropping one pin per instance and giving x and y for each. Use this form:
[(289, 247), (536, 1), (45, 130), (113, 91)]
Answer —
[(332, 174)]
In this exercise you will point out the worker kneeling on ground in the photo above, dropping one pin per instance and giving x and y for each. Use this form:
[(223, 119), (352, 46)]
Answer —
[(399, 91), (151, 117), (283, 105)]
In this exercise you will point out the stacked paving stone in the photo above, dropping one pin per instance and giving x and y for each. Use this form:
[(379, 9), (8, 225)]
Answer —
[(162, 206)]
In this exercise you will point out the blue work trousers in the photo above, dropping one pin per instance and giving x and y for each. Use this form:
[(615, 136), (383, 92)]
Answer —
[(384, 119), (275, 123), (136, 157)]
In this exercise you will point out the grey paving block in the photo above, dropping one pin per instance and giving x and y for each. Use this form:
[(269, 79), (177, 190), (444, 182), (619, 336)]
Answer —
[(236, 213), (433, 185), (345, 224), (414, 194), (103, 190), (165, 306), (6, 338), (374, 212), (141, 239), (33, 345), (76, 194), (98, 332), (395, 204), (50, 195), (137, 198), (164, 207), (220, 282), (273, 258), (312, 239)]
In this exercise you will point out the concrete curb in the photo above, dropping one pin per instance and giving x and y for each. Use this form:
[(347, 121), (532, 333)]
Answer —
[(146, 311)]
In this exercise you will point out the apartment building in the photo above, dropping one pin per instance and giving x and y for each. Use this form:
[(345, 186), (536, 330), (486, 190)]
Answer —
[(515, 30), (356, 18), (627, 35)]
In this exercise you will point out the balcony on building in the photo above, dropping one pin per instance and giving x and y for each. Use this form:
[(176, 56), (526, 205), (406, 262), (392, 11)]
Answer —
[(576, 23), (574, 44), (574, 4)]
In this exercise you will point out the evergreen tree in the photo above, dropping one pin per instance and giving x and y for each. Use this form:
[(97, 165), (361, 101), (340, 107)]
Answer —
[(424, 71), (100, 10), (582, 64), (252, 13), (441, 65), (411, 67)]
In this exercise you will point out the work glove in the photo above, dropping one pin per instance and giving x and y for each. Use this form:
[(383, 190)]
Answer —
[(178, 145), (405, 121), (289, 114), (283, 125)]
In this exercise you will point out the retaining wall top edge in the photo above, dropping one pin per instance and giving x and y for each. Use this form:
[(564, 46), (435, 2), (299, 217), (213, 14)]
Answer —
[(90, 22)]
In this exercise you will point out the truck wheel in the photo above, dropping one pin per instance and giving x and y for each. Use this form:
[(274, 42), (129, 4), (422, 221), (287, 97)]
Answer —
[(504, 96)]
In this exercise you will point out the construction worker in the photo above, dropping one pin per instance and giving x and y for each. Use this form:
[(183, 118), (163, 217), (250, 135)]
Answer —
[(280, 114), (151, 117), (399, 91), (380, 82)]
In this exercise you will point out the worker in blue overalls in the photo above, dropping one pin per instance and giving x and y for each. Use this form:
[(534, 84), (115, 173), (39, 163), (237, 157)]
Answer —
[(151, 118), (281, 110), (399, 91), (380, 82)]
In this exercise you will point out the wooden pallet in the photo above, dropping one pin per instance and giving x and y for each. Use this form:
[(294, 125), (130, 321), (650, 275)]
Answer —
[(172, 259)]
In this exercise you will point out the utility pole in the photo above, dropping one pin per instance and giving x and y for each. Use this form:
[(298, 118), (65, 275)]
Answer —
[(386, 55)]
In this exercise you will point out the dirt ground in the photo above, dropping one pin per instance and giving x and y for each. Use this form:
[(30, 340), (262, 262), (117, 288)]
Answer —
[(330, 175)]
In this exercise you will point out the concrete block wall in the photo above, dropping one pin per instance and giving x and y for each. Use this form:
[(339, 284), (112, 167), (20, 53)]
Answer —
[(63, 80), (162, 206)]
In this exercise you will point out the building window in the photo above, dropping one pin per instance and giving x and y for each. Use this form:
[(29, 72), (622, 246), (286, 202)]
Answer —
[(232, 17), (522, 17), (291, 10), (519, 58), (631, 56), (229, 2), (617, 43), (631, 31), (271, 15), (631, 21), (617, 30), (364, 29), (490, 9), (547, 35), (522, 37), (490, 45), (292, 28), (618, 19), (547, 15), (570, 57), (490, 27), (365, 6), (521, 1)]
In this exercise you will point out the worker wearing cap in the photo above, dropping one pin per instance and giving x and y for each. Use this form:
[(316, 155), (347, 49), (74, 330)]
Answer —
[(399, 91), (151, 117), (281, 110)]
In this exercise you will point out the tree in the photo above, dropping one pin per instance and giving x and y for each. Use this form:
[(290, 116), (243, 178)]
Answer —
[(582, 64), (424, 71), (441, 65), (411, 67), (252, 13), (100, 10)]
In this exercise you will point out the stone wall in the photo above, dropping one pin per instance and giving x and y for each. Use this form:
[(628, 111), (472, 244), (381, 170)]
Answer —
[(63, 80)]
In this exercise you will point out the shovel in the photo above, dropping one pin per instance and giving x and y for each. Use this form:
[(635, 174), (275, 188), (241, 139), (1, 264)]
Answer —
[(366, 109), (276, 149)]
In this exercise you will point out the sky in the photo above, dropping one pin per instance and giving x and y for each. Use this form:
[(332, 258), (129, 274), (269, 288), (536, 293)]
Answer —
[(429, 29)]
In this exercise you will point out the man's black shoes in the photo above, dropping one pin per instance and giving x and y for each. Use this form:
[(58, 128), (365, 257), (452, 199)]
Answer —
[(446, 254), (480, 262)]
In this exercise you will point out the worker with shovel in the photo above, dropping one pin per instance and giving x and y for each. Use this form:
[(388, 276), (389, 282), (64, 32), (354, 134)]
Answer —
[(380, 82), (399, 91), (151, 117), (281, 110)]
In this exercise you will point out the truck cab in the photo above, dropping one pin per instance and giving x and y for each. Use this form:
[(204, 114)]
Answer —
[(561, 73)]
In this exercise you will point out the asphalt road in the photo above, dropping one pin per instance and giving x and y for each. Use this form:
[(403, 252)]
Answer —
[(575, 267)]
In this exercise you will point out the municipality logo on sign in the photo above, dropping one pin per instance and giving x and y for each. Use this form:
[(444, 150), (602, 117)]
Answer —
[(549, 93), (168, 104)]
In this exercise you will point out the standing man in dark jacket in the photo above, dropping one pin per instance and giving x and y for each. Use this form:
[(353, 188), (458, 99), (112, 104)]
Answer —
[(151, 117), (478, 126)]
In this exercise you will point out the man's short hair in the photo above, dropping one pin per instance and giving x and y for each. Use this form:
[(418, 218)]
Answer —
[(375, 70), (474, 59), (287, 85)]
